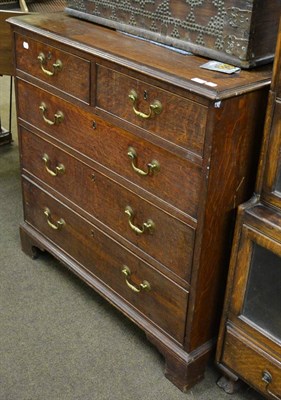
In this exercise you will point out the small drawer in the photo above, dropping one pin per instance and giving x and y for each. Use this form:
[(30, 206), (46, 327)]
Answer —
[(144, 225), (167, 115), (159, 299), (58, 68), (252, 364), (177, 180)]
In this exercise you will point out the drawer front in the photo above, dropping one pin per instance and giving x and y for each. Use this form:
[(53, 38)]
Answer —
[(165, 303), (180, 121), (177, 181), (138, 221), (252, 364), (59, 69)]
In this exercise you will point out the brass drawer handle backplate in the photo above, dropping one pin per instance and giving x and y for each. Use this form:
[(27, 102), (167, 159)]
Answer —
[(267, 378), (152, 167), (142, 286), (154, 108), (57, 66), (59, 169), (54, 225), (147, 226), (58, 116)]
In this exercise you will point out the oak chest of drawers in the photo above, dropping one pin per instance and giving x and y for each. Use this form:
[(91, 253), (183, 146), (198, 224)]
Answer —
[(133, 160)]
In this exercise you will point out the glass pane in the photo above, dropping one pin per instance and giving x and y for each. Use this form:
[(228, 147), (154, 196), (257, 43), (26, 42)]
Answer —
[(278, 182), (262, 303)]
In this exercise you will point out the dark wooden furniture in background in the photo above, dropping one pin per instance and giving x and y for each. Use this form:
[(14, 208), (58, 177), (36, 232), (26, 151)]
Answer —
[(14, 8), (133, 160), (250, 336), (45, 6), (6, 68), (6, 47)]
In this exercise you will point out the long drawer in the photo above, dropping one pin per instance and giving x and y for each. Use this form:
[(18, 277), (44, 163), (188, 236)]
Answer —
[(57, 68), (111, 204), (177, 181), (158, 298)]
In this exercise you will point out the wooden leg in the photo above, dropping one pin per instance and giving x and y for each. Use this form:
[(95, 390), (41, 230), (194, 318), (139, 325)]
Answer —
[(29, 245), (5, 136), (228, 384), (184, 374), (182, 369)]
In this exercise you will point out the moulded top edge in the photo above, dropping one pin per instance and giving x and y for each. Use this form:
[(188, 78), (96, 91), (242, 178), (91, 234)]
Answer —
[(147, 58)]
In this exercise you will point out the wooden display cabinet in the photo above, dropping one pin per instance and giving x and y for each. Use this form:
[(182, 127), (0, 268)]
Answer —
[(249, 344)]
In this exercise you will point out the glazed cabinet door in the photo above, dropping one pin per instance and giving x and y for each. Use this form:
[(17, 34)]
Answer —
[(252, 339), (256, 295)]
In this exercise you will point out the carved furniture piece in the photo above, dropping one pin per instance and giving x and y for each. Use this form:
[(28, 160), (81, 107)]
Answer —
[(250, 336), (131, 168), (239, 32)]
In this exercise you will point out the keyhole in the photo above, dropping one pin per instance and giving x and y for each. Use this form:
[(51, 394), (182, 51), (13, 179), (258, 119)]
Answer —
[(145, 95)]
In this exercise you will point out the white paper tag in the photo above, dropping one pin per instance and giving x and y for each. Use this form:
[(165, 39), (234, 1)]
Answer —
[(203, 82)]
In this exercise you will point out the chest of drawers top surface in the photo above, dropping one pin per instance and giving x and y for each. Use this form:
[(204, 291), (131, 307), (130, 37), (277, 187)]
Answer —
[(166, 65)]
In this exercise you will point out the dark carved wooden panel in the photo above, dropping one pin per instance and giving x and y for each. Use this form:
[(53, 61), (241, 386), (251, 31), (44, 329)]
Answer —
[(221, 29)]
